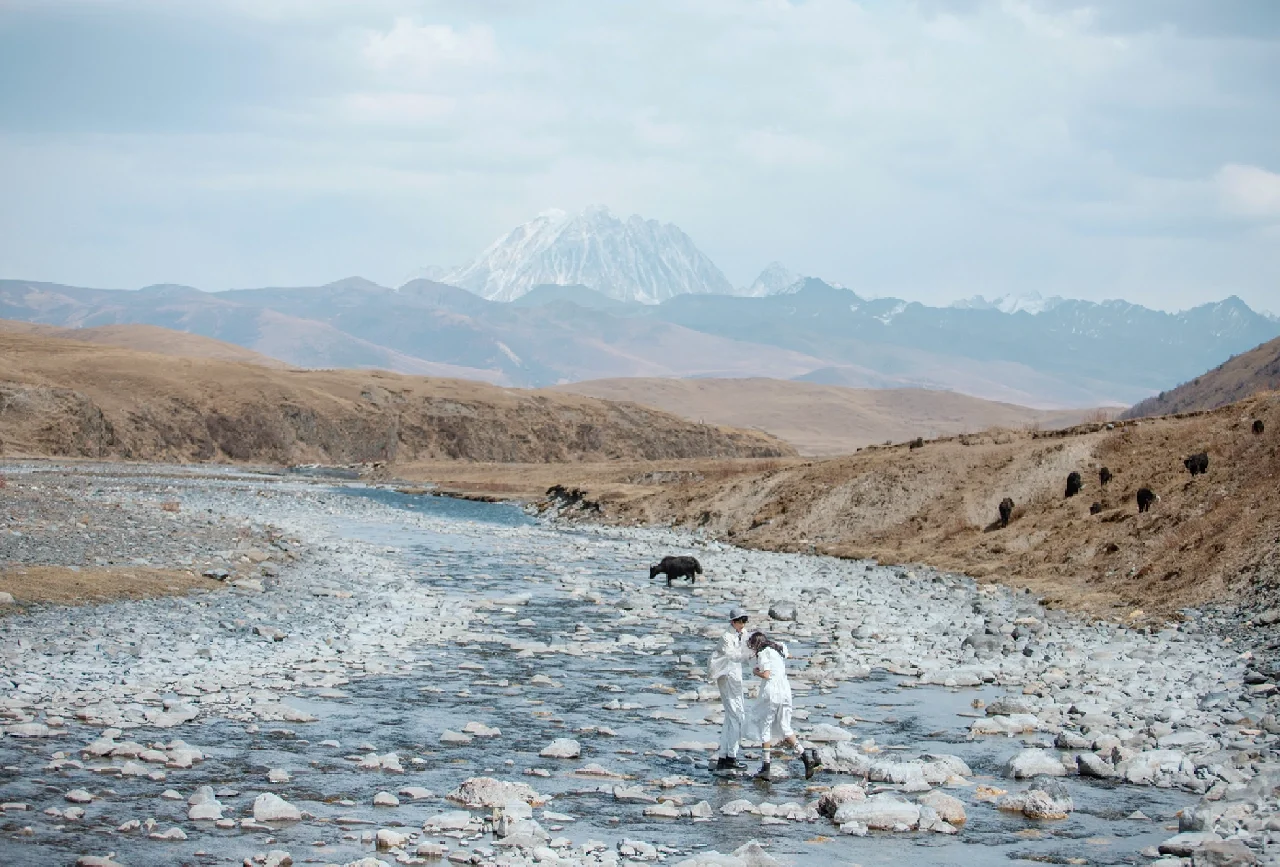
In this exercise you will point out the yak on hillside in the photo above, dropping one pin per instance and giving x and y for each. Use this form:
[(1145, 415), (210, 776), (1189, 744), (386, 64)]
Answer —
[(1258, 426), (1104, 476), (677, 567), (1146, 497), (1197, 464), (1006, 511), (1074, 484)]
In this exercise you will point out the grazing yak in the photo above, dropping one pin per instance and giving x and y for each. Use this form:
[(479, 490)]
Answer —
[(1146, 497), (1095, 508), (677, 567), (1197, 464), (1074, 483), (1258, 426), (917, 443), (1006, 511), (1104, 476)]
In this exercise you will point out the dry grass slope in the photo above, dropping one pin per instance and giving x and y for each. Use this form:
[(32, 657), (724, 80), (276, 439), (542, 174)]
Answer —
[(1215, 538), (826, 419), (1248, 373), (148, 338), (68, 398)]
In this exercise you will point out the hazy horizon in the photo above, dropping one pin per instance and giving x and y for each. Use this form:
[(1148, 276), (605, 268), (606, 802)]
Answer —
[(932, 151)]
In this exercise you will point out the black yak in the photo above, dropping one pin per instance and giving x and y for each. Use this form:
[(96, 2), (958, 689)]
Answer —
[(1146, 497), (1006, 511), (917, 443), (1258, 426), (1074, 483), (677, 567), (1197, 464), (1095, 508), (1104, 476)]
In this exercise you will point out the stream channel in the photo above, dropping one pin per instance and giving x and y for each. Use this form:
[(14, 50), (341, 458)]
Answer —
[(476, 552)]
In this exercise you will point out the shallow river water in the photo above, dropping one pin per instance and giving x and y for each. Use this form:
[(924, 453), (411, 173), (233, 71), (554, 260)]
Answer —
[(515, 582)]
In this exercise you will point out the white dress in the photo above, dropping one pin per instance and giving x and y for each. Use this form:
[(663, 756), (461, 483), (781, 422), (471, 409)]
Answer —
[(770, 717)]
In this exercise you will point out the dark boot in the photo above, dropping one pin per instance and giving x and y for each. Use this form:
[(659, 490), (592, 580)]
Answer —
[(811, 762), (762, 775), (737, 764), (724, 763)]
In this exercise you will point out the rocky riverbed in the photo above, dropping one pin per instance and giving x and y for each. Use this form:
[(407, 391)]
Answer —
[(410, 679)]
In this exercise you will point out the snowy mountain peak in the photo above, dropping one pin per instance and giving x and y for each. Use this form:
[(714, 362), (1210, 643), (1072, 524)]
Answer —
[(636, 260), (773, 280), (1026, 302)]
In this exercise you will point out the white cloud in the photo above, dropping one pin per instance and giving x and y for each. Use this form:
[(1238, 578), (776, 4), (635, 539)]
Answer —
[(1248, 191), (776, 148), (424, 50), (397, 108), (931, 148)]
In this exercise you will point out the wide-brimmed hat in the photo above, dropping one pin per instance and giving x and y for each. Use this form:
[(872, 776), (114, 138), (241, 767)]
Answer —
[(736, 613)]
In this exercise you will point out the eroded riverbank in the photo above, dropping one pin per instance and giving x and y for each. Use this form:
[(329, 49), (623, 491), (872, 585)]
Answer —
[(403, 622)]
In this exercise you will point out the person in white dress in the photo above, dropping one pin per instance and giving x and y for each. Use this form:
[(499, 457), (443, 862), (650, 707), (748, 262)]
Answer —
[(726, 674), (770, 719)]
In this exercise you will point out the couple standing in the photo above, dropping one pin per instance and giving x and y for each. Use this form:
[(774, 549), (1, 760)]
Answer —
[(770, 719)]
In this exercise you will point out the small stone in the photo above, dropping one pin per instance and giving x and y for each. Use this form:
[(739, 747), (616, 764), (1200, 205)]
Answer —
[(385, 799), (78, 796), (172, 835), (561, 748)]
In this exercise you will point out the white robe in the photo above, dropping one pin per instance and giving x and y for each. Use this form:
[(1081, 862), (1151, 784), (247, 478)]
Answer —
[(726, 674), (769, 719)]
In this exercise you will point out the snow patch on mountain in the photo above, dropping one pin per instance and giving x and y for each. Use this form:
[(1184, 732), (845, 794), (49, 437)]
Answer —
[(775, 279), (632, 260), (1025, 302)]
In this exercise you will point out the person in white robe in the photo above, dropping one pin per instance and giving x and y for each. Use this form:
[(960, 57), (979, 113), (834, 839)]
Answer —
[(726, 674), (770, 718)]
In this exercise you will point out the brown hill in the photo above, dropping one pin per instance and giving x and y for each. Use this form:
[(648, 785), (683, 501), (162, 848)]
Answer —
[(149, 338), (1245, 374), (1215, 538), (826, 419), (68, 398)]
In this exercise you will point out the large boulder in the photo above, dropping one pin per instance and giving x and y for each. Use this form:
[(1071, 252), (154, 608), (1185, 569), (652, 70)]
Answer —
[(949, 809), (273, 808), (832, 799), (1046, 799), (884, 811), (782, 611), (1223, 853), (562, 748), (1034, 763), (488, 792), (1145, 767), (828, 734)]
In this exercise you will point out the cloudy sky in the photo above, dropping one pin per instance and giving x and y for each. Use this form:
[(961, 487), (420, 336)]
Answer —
[(931, 149)]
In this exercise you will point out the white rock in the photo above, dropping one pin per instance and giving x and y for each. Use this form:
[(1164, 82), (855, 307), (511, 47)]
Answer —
[(211, 811), (388, 839), (561, 748), (1034, 763), (272, 808), (882, 811)]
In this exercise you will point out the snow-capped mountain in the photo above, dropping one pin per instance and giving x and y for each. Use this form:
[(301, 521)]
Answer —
[(1026, 302), (775, 279), (632, 260)]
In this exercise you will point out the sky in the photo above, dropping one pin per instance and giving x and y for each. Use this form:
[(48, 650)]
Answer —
[(933, 150)]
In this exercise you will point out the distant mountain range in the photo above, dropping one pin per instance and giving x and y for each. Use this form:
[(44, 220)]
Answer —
[(570, 297), (1076, 354)]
